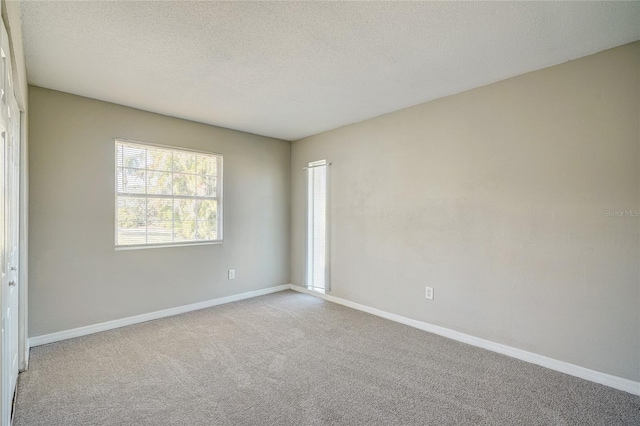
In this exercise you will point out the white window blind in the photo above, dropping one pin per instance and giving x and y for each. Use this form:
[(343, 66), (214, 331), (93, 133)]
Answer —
[(166, 196), (317, 219)]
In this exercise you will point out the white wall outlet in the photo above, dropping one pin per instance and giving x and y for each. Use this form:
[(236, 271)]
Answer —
[(429, 293), (232, 274)]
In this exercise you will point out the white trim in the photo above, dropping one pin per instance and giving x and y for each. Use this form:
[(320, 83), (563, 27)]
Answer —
[(163, 245), (551, 363), (309, 269), (110, 325), (23, 262), (173, 149)]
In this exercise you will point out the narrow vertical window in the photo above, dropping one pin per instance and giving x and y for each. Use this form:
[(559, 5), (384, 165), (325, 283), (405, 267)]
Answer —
[(317, 221)]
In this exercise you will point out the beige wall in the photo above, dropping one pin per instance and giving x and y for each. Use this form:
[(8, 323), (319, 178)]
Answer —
[(497, 198), (76, 278)]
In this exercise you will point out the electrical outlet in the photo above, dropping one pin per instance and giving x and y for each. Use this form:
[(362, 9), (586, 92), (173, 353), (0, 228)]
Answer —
[(232, 274), (429, 293)]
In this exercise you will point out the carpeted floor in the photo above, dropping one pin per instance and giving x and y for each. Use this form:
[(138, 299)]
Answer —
[(292, 359)]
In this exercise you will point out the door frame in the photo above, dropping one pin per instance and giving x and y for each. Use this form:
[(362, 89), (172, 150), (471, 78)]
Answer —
[(10, 14), (23, 239)]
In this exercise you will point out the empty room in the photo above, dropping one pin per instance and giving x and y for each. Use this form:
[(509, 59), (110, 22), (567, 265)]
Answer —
[(319, 213)]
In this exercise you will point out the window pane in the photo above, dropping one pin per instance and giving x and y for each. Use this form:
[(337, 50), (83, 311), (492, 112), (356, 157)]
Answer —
[(159, 183), (206, 230), (184, 184), (131, 181), (118, 154), (159, 210), (207, 165), (207, 209), (159, 159), (133, 156), (206, 186), (184, 231), (131, 212), (119, 180), (130, 236), (184, 210), (160, 232), (184, 162)]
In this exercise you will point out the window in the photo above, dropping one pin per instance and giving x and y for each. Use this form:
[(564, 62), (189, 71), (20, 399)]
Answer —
[(167, 196), (317, 224)]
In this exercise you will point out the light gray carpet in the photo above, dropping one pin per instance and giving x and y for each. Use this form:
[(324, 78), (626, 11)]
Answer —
[(292, 359)]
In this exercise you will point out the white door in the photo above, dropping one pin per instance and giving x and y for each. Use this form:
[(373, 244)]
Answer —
[(13, 234), (9, 231), (9, 279)]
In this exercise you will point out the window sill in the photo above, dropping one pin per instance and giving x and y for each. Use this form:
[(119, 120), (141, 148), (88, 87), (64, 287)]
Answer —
[(153, 246)]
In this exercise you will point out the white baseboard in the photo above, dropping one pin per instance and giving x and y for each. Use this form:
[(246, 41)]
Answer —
[(553, 364), (109, 325)]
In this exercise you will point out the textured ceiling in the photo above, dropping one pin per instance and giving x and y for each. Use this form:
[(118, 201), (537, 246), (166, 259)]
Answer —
[(290, 70)]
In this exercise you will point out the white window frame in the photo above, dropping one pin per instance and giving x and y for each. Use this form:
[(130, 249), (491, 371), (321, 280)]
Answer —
[(309, 271), (219, 198)]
